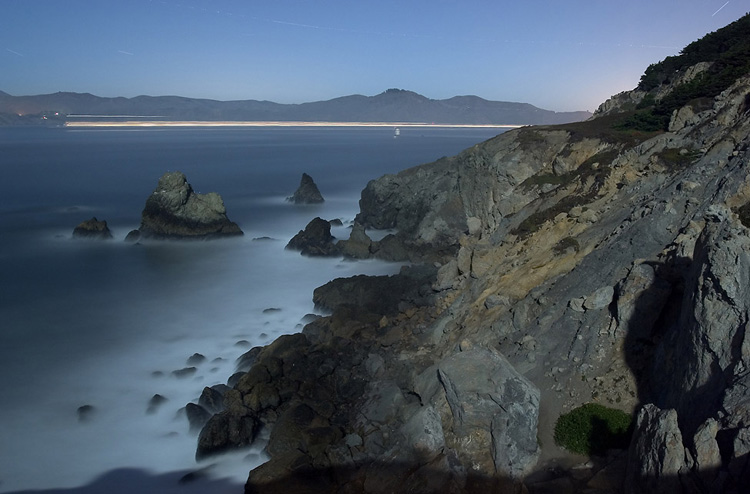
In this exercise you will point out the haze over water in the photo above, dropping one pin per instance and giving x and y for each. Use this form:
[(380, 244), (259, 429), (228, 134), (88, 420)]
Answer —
[(106, 323)]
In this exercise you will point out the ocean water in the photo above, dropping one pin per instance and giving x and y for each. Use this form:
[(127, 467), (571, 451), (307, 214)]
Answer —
[(105, 324)]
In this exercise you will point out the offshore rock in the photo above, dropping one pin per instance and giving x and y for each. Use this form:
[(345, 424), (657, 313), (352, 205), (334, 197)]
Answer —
[(315, 240), (93, 229), (175, 211), (307, 192)]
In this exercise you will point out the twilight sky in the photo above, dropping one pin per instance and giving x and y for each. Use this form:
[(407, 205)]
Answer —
[(555, 54)]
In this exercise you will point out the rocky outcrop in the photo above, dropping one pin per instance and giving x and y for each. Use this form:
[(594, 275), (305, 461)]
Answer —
[(307, 192), (657, 453), (494, 411), (175, 211), (315, 240), (92, 229), (571, 264)]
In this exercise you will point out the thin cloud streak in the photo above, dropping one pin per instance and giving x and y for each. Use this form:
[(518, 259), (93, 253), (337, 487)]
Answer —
[(720, 9), (14, 52)]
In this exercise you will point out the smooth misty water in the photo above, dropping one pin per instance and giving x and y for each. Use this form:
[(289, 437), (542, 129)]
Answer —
[(105, 323)]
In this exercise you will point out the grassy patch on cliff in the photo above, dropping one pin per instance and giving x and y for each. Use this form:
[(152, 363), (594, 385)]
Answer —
[(676, 158), (611, 129), (588, 179), (593, 429)]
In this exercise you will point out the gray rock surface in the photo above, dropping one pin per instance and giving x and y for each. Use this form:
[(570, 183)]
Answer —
[(92, 229), (657, 454), (495, 410), (307, 192), (315, 240), (175, 211)]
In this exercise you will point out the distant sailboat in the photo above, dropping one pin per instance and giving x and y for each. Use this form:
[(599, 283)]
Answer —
[(396, 132)]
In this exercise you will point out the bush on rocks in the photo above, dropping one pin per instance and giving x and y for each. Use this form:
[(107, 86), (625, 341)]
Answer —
[(593, 429)]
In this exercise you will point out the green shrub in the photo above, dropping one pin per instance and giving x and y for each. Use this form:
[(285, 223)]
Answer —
[(593, 429)]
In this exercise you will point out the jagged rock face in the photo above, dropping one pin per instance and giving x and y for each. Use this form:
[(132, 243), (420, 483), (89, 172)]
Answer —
[(93, 229), (307, 192), (702, 355), (494, 409), (174, 210), (657, 454), (315, 240)]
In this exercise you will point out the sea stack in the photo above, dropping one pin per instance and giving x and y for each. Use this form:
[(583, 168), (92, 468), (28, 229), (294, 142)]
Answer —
[(307, 192), (315, 240), (175, 211), (93, 229)]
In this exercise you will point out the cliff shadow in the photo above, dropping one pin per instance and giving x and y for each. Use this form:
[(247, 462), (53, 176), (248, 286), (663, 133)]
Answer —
[(655, 314)]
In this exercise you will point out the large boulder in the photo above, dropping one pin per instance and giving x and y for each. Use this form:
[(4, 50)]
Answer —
[(315, 240), (307, 192), (175, 211), (657, 453), (93, 229), (495, 411)]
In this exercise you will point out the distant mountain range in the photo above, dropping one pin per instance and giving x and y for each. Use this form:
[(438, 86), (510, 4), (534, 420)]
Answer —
[(393, 105)]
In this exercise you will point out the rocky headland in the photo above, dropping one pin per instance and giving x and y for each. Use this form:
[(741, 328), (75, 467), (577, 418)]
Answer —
[(605, 261), (175, 211)]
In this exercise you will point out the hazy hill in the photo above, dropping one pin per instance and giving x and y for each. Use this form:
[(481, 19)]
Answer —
[(393, 105)]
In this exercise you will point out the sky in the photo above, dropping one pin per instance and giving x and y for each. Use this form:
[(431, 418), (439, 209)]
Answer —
[(557, 55)]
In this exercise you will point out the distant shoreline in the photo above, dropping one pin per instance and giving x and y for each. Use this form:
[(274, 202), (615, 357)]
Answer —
[(201, 123)]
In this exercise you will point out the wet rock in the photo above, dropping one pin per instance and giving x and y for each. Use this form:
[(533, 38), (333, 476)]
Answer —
[(92, 229), (86, 413), (197, 416), (307, 192), (225, 431), (247, 359), (133, 236), (315, 240), (184, 372), (196, 359), (212, 399), (155, 403), (358, 245), (175, 211)]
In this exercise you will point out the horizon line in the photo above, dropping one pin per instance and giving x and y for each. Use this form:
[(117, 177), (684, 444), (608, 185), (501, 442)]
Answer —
[(229, 123)]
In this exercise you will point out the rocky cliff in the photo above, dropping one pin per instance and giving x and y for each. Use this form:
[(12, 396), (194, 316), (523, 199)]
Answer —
[(604, 261)]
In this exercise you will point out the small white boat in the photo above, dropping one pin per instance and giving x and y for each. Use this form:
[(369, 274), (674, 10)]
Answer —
[(396, 132)]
